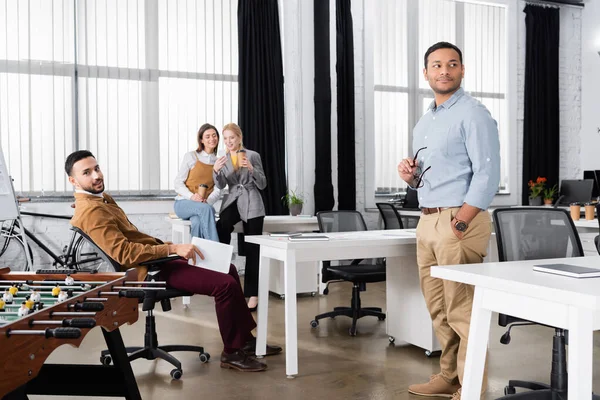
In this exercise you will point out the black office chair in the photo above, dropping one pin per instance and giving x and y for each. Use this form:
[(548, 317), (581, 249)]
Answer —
[(531, 234), (357, 273), (391, 217), (151, 350)]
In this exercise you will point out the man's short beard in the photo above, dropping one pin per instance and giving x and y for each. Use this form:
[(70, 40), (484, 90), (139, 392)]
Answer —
[(92, 190)]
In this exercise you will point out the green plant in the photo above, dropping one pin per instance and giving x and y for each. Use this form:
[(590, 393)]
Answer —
[(549, 193), (292, 198)]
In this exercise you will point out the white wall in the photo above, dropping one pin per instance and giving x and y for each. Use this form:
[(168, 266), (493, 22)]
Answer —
[(590, 66)]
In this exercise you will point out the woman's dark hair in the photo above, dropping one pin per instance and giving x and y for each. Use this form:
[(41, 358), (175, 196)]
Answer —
[(201, 131), (442, 45)]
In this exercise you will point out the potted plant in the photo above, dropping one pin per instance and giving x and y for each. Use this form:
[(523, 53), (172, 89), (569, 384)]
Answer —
[(549, 194), (294, 202), (535, 191)]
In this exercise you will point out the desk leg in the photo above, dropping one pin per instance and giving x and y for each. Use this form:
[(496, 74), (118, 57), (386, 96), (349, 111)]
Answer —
[(263, 305), (291, 315), (479, 333), (580, 353)]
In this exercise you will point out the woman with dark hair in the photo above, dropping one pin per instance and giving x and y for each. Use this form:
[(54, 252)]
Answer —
[(242, 170), (196, 191)]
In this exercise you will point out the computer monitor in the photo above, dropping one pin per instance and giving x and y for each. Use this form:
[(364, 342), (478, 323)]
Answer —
[(576, 191), (595, 176)]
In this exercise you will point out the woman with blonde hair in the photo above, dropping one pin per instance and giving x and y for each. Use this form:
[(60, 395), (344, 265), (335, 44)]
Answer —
[(242, 170), (195, 187)]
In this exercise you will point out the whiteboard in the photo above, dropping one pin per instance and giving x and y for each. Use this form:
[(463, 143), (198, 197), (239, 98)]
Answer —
[(8, 202)]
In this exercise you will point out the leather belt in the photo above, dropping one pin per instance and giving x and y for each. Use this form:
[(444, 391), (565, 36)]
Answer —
[(433, 210)]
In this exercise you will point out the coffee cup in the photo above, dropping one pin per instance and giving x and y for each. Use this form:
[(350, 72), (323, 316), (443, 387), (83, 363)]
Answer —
[(575, 211), (241, 155), (202, 188), (589, 211)]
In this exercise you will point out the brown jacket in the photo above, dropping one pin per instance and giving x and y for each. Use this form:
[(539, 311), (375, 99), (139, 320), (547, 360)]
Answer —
[(110, 229)]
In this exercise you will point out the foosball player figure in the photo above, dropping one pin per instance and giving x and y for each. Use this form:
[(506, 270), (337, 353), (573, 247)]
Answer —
[(13, 289), (23, 310), (56, 290), (35, 296), (7, 297), (70, 293), (29, 303), (62, 296), (2, 305), (69, 280)]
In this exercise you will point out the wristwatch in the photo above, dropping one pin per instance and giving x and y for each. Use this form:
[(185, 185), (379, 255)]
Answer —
[(460, 226)]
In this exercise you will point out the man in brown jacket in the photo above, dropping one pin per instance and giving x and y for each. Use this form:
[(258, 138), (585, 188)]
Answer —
[(97, 214)]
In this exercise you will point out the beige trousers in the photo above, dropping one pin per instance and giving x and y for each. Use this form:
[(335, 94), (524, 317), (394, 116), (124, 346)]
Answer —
[(449, 303)]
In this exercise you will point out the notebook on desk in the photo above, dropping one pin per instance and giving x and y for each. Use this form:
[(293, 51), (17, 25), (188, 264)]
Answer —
[(573, 271), (307, 237)]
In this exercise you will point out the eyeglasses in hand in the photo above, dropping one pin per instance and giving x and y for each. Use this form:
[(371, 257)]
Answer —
[(419, 172)]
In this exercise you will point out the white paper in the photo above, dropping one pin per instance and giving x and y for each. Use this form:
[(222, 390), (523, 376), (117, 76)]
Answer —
[(217, 256)]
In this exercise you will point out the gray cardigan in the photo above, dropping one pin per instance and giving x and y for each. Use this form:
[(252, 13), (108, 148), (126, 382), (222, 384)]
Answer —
[(243, 186)]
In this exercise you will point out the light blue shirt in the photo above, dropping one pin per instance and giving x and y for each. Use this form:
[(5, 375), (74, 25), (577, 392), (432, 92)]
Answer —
[(463, 151)]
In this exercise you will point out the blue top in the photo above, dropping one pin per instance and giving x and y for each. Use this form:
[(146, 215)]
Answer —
[(463, 151)]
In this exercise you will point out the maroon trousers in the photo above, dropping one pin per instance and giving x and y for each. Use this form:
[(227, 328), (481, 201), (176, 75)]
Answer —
[(235, 321)]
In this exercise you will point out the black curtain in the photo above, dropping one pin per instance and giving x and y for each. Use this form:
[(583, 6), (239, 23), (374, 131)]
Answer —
[(324, 200), (541, 134), (345, 107), (261, 113)]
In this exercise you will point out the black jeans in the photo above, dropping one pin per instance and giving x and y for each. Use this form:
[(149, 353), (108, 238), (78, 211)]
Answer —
[(254, 226)]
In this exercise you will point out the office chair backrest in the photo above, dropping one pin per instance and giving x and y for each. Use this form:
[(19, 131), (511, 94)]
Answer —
[(576, 190), (116, 266), (411, 200), (535, 233), (391, 217), (341, 221)]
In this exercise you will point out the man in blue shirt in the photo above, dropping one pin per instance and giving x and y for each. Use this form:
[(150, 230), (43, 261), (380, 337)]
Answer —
[(456, 170)]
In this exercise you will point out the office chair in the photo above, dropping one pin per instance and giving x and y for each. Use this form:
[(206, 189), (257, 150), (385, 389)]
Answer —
[(357, 273), (596, 242), (391, 217), (151, 350), (531, 234)]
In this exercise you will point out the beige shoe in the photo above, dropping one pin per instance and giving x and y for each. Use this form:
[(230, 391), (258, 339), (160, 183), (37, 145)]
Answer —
[(456, 396), (436, 387)]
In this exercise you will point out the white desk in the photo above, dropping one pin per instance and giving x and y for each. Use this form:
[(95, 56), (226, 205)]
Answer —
[(411, 322), (514, 288), (586, 226)]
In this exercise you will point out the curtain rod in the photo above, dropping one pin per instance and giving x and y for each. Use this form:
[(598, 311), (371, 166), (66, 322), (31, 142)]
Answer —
[(554, 3)]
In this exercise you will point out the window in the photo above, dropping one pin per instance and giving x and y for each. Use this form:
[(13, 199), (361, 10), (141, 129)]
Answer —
[(130, 80), (401, 94)]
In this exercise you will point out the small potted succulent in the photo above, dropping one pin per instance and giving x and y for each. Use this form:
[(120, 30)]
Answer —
[(549, 194)]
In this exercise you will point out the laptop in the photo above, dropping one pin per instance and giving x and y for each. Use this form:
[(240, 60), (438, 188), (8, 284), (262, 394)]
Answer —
[(576, 191)]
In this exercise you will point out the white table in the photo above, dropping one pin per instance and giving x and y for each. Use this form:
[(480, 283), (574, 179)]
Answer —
[(514, 288), (404, 299), (587, 226)]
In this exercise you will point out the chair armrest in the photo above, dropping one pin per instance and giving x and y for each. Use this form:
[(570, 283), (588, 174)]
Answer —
[(161, 260)]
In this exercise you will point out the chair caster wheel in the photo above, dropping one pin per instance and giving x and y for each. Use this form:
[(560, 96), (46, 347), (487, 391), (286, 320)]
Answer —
[(509, 390), (105, 360), (434, 353), (282, 296), (392, 339), (176, 374), (326, 291), (314, 323), (204, 357), (352, 332), (313, 294), (381, 318)]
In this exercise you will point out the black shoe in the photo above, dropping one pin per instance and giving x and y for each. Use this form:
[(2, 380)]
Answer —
[(250, 348), (242, 362), (252, 309)]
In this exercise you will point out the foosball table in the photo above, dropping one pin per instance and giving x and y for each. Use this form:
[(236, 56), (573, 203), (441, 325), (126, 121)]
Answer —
[(39, 312)]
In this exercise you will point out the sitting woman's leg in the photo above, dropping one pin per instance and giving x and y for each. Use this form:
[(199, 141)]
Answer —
[(202, 217)]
